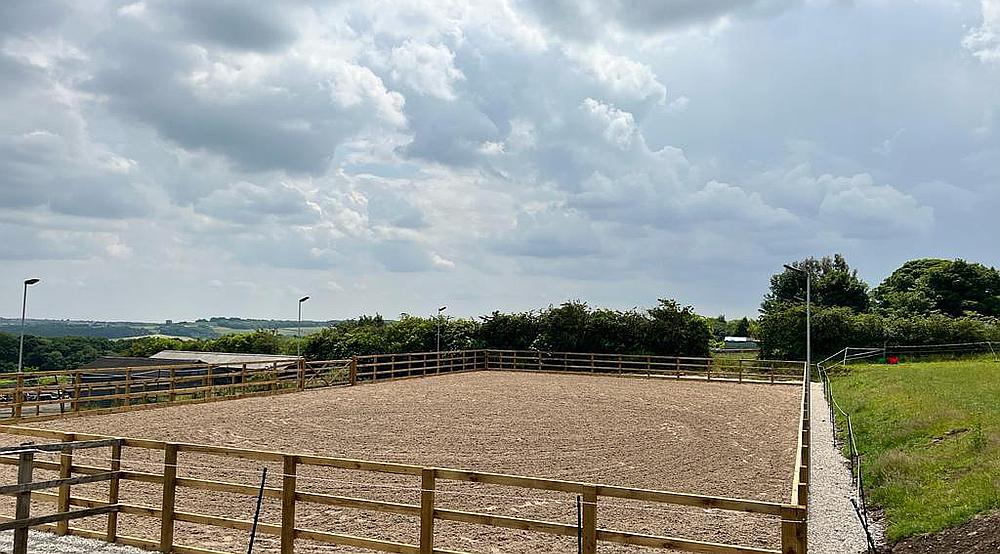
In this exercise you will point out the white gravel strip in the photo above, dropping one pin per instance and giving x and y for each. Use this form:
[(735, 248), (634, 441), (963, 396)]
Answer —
[(47, 543), (833, 525)]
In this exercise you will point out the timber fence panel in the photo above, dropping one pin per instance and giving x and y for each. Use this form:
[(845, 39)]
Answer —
[(292, 495)]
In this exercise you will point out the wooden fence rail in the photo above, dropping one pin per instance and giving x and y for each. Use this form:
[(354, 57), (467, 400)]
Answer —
[(26, 488), (50, 394), (426, 483)]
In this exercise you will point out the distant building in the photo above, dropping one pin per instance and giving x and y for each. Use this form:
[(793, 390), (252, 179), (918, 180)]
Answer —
[(234, 360), (740, 343)]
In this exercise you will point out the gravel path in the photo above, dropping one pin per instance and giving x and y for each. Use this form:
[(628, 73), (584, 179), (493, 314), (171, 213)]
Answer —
[(833, 525), (48, 543)]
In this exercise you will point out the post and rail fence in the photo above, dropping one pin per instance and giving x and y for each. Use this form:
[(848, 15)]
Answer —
[(43, 395), (136, 388), (789, 519)]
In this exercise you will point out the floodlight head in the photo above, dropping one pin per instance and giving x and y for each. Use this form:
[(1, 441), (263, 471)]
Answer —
[(795, 269), (442, 308), (303, 299), (31, 281)]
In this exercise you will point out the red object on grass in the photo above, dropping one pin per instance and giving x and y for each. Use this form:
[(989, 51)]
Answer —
[(892, 360)]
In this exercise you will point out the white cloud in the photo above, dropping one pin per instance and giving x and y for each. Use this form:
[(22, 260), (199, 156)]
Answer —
[(983, 41), (427, 69), (624, 78), (619, 125)]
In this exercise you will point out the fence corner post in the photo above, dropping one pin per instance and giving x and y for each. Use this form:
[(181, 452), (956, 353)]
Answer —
[(302, 374), (427, 477), (354, 370), (169, 496), (793, 530)]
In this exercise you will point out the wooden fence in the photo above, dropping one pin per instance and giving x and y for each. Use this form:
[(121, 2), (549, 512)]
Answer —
[(26, 487), (724, 368), (426, 483)]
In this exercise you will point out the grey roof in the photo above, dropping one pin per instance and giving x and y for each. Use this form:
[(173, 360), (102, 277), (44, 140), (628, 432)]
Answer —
[(253, 361), (135, 361)]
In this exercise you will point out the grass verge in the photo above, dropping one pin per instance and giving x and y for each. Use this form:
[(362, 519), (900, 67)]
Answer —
[(929, 435)]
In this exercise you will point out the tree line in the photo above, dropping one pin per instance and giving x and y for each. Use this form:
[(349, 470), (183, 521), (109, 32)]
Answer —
[(924, 301), (668, 329)]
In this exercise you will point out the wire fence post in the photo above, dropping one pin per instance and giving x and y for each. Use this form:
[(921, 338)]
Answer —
[(579, 526)]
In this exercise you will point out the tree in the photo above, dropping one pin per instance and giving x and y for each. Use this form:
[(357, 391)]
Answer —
[(677, 331), (834, 284), (514, 331), (950, 287)]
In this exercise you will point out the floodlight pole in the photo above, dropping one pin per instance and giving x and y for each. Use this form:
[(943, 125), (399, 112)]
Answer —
[(441, 309), (808, 275), (24, 306), (298, 329)]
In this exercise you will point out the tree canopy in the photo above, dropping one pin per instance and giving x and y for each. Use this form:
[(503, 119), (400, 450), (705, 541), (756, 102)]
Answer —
[(949, 287), (834, 284)]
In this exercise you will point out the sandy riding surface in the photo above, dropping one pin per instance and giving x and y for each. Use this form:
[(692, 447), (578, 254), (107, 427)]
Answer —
[(720, 439)]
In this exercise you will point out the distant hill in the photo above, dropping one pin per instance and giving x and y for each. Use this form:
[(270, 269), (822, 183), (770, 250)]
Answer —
[(200, 329)]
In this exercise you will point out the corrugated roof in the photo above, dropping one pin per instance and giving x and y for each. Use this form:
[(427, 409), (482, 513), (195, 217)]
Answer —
[(253, 361), (134, 361)]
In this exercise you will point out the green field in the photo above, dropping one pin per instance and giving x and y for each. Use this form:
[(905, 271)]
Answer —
[(929, 434)]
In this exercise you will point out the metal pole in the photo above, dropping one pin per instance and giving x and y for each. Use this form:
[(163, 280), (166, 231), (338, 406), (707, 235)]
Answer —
[(439, 332), (809, 319), (298, 333), (256, 514), (20, 350), (579, 526)]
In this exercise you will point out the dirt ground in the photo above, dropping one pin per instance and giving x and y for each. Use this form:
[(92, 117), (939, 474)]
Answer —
[(982, 534), (719, 439)]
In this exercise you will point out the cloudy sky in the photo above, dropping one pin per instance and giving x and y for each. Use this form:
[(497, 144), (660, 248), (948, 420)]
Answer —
[(186, 158)]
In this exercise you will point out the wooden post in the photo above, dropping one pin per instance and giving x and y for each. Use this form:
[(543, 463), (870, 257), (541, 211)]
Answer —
[(243, 378), (77, 379), (169, 495), (25, 464), (288, 505), (677, 367), (18, 395), (274, 376), (708, 369), (113, 490), (793, 530), (173, 384), (302, 374), (354, 370), (209, 382), (427, 511), (128, 386), (65, 472), (590, 520)]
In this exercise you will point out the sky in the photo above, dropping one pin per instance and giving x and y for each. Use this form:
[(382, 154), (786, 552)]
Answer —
[(187, 158)]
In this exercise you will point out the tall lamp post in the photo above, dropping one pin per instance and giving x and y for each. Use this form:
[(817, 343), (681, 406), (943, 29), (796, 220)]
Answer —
[(298, 330), (441, 309), (24, 305), (808, 275)]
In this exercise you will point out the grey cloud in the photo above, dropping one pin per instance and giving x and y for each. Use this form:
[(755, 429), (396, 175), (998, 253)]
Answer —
[(242, 25), (588, 19)]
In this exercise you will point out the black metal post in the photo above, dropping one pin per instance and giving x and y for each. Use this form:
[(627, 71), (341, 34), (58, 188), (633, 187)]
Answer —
[(256, 514), (579, 526)]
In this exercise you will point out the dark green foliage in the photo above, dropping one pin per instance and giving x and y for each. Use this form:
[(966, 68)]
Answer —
[(834, 284), (52, 352), (783, 333), (513, 331), (950, 287)]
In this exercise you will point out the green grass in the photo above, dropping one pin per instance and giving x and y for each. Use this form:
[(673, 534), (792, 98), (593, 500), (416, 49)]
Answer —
[(929, 434)]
